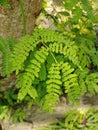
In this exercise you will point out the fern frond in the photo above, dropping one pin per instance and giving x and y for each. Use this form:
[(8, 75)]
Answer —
[(88, 82), (26, 79), (53, 87), (88, 8), (68, 49), (6, 49), (87, 52), (70, 82), (32, 92), (48, 35), (28, 43), (21, 51), (81, 80), (92, 83), (43, 73), (48, 56)]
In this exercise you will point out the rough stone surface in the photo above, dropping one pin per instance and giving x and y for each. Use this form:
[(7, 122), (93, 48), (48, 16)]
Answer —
[(11, 22), (20, 126)]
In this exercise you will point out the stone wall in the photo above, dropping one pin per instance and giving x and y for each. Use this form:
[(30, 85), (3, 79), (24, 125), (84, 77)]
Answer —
[(11, 22)]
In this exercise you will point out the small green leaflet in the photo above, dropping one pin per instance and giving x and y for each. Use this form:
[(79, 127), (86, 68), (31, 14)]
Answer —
[(77, 14), (69, 4), (50, 60), (42, 73), (32, 92)]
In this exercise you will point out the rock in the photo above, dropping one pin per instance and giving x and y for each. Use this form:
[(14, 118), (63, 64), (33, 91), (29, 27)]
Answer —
[(20, 126), (37, 118), (11, 20)]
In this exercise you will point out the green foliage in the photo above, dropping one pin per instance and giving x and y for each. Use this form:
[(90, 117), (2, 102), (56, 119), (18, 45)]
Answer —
[(77, 120), (4, 3), (9, 97), (9, 106), (4, 112), (36, 50), (49, 60), (75, 18), (53, 87), (31, 72), (18, 115), (51, 63), (92, 80), (69, 79), (6, 47)]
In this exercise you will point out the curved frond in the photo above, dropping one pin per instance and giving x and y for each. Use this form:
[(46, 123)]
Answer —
[(51, 61), (6, 47), (21, 51), (26, 79), (53, 87), (70, 82), (92, 83), (68, 49), (48, 35)]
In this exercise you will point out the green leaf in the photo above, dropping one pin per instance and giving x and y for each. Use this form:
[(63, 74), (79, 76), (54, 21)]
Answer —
[(6, 48), (42, 73), (32, 92), (88, 8), (77, 14), (69, 4), (4, 112), (18, 115), (92, 80), (60, 58), (50, 60), (65, 13)]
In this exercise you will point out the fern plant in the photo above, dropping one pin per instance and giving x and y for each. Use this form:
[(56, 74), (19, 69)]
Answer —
[(44, 43), (48, 65), (76, 20), (6, 47)]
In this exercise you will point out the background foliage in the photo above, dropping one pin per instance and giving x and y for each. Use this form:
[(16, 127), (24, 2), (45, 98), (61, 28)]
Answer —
[(77, 120), (4, 3)]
